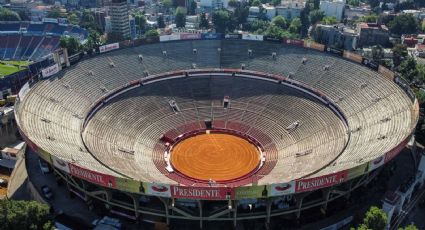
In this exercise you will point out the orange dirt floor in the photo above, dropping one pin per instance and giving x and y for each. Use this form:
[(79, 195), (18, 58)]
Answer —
[(215, 156)]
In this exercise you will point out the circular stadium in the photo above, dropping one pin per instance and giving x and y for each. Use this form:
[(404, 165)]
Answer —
[(223, 129)]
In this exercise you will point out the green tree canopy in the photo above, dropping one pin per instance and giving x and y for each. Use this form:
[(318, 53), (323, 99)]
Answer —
[(180, 17), (152, 33), (21, 215), (70, 43), (329, 20), (233, 3), (399, 54), (403, 24), (368, 18), (377, 53), (407, 68), (8, 15), (140, 21), (221, 19), (353, 2), (167, 4), (192, 7), (160, 21), (259, 26), (280, 22), (375, 219), (55, 12), (295, 26), (203, 21), (74, 19), (277, 32), (256, 3), (305, 21), (87, 20), (410, 226), (276, 2), (316, 16)]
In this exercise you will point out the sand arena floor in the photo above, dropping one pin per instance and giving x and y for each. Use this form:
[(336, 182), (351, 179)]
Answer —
[(215, 156)]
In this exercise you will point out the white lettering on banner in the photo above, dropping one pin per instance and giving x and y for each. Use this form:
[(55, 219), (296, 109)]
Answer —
[(189, 192), (109, 47), (320, 182), (49, 71), (102, 179)]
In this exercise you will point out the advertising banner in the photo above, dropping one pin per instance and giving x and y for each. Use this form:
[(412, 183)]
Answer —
[(314, 45), (51, 20), (172, 37), (293, 42), (357, 171), (49, 71), (336, 51), (378, 162), (211, 36), (371, 64), (353, 56), (44, 155), (204, 193), (282, 189), (109, 47), (386, 72), (310, 184), (129, 185), (272, 39), (395, 151), (156, 189), (252, 37), (251, 192), (233, 36), (92, 176), (60, 164), (190, 36)]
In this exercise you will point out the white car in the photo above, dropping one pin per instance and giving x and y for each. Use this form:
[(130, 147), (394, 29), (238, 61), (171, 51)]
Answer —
[(44, 167)]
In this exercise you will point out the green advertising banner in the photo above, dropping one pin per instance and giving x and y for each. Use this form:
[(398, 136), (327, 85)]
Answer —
[(44, 155), (252, 192), (129, 185), (357, 171)]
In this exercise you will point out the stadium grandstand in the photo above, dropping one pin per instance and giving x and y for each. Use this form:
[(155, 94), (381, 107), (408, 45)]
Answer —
[(34, 40), (217, 128)]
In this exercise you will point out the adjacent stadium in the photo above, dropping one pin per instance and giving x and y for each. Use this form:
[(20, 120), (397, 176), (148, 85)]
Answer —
[(223, 129)]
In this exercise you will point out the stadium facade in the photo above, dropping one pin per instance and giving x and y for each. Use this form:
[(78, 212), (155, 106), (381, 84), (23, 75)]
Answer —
[(325, 121)]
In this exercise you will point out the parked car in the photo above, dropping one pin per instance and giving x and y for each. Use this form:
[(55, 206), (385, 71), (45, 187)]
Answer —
[(107, 223), (47, 192), (44, 167), (3, 182)]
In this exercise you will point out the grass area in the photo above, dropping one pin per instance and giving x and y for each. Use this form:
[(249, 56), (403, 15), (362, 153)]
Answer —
[(10, 67)]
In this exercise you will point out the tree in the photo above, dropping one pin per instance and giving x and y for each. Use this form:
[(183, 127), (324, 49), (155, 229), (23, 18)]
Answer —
[(368, 18), (160, 21), (399, 53), (115, 37), (192, 7), (377, 53), (316, 16), (353, 2), (203, 22), (70, 43), (93, 41), (277, 32), (256, 3), (305, 21), (180, 17), (295, 26), (88, 21), (221, 19), (408, 69), (8, 15), (375, 219), (152, 33), (403, 24), (240, 14), (329, 20), (259, 26), (233, 3), (55, 12), (17, 215), (280, 22), (411, 226), (73, 19), (276, 2), (167, 4)]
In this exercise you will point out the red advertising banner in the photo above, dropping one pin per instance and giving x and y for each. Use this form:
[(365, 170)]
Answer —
[(310, 184), (204, 193), (293, 42), (92, 176), (353, 56), (190, 36), (395, 151), (386, 72), (314, 45)]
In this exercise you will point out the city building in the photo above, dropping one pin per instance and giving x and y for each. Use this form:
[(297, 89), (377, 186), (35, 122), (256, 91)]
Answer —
[(214, 4), (119, 18), (337, 36), (108, 24), (371, 34), (333, 8), (290, 10), (133, 32)]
